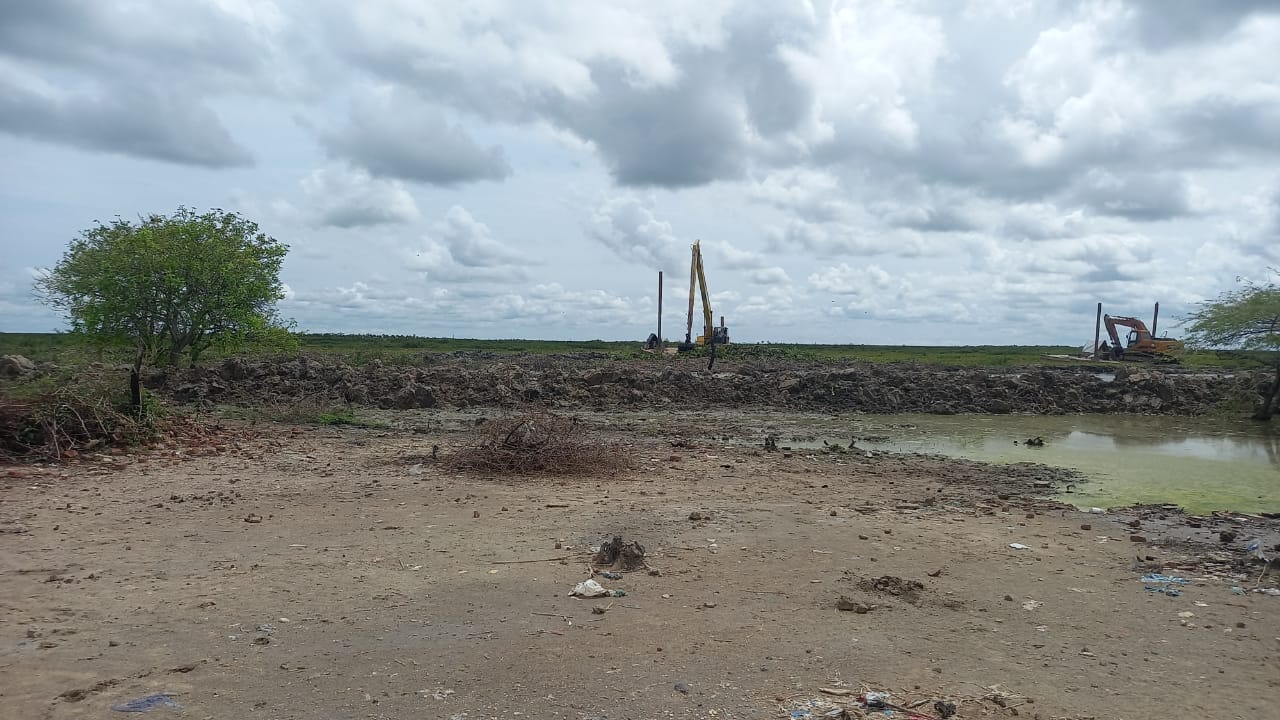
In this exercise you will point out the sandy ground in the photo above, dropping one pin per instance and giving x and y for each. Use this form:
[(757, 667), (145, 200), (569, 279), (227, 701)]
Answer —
[(343, 574)]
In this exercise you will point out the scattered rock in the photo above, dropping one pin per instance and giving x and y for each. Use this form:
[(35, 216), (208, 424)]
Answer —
[(15, 366), (1226, 536), (1086, 526), (695, 515), (253, 518), (1137, 538), (845, 604)]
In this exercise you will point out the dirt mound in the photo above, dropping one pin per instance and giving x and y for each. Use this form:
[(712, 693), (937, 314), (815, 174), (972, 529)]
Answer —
[(909, 590), (588, 382)]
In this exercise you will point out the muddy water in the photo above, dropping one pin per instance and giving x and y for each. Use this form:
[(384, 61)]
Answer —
[(1200, 464)]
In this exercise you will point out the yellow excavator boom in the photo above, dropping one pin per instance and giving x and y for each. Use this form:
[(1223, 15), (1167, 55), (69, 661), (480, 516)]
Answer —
[(698, 284)]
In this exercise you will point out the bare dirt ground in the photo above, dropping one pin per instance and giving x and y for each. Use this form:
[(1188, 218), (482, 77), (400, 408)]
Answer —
[(344, 574)]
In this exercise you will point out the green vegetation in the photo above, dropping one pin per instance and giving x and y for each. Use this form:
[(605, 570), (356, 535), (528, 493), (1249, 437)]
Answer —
[(411, 350), (1249, 319), (343, 417), (169, 287)]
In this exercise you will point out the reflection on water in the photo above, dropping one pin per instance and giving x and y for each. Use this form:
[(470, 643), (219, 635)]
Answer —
[(1200, 464)]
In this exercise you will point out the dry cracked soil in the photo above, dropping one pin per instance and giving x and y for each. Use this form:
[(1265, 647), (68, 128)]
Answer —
[(345, 574)]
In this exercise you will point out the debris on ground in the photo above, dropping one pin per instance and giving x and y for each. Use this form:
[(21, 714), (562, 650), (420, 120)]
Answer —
[(1163, 584), (619, 555), (539, 443), (908, 590), (147, 704)]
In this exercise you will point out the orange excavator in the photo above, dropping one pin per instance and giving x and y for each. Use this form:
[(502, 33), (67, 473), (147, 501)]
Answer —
[(1140, 345)]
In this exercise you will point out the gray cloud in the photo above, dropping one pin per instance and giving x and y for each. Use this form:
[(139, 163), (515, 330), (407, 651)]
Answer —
[(156, 125), (628, 227), (198, 41), (461, 249), (400, 138), (1137, 196), (353, 199), (1162, 23)]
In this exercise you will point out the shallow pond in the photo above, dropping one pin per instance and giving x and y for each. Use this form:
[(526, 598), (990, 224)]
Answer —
[(1200, 464)]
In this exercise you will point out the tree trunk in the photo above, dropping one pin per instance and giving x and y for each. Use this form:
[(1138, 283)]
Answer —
[(135, 386), (1268, 408), (135, 392)]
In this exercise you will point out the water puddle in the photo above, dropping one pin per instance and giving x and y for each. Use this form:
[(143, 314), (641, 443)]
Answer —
[(1200, 464)]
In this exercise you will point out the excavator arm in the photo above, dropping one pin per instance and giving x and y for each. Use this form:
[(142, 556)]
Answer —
[(711, 335), (707, 322), (1140, 344)]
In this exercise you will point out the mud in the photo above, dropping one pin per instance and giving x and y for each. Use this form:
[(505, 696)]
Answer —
[(459, 381)]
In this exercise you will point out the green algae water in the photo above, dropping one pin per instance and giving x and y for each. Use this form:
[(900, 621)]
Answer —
[(1200, 464)]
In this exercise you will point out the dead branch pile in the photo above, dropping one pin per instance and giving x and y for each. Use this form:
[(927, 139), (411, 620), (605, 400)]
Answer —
[(63, 423), (539, 443)]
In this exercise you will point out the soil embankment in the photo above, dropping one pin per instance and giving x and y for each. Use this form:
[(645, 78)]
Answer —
[(573, 382)]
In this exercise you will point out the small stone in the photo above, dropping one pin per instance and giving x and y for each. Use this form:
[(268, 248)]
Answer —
[(599, 610), (888, 531), (262, 641), (1008, 598), (708, 605), (1137, 538), (1086, 526), (695, 515), (475, 513), (845, 604), (112, 643), (863, 537), (833, 513), (559, 545), (46, 645), (1226, 536), (1030, 515), (655, 572), (1239, 624)]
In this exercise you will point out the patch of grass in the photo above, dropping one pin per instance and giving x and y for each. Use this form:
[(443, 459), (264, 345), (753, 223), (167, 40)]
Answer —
[(408, 350), (345, 417)]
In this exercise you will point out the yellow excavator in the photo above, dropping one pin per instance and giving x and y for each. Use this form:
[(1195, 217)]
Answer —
[(1141, 345), (711, 333)]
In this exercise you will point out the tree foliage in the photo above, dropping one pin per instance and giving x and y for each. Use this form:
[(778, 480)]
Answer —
[(169, 286), (1248, 319)]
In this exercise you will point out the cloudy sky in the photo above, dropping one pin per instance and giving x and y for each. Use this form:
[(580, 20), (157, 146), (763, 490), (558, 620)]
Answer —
[(863, 171)]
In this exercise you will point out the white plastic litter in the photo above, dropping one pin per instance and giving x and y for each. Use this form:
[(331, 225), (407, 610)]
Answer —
[(1019, 546), (589, 589)]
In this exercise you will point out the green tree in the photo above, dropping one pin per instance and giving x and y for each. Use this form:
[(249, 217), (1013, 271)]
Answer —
[(1248, 319), (169, 286)]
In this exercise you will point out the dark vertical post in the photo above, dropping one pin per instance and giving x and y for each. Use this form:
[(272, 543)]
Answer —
[(1097, 330), (659, 308), (1155, 321)]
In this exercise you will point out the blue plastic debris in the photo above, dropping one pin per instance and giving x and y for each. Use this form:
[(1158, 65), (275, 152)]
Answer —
[(1163, 584), (610, 575), (146, 704), (1158, 579)]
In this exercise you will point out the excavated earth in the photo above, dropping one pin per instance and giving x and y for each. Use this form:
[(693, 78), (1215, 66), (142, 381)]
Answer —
[(457, 381)]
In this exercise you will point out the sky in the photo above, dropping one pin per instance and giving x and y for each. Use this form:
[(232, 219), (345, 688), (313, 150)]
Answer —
[(861, 171)]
